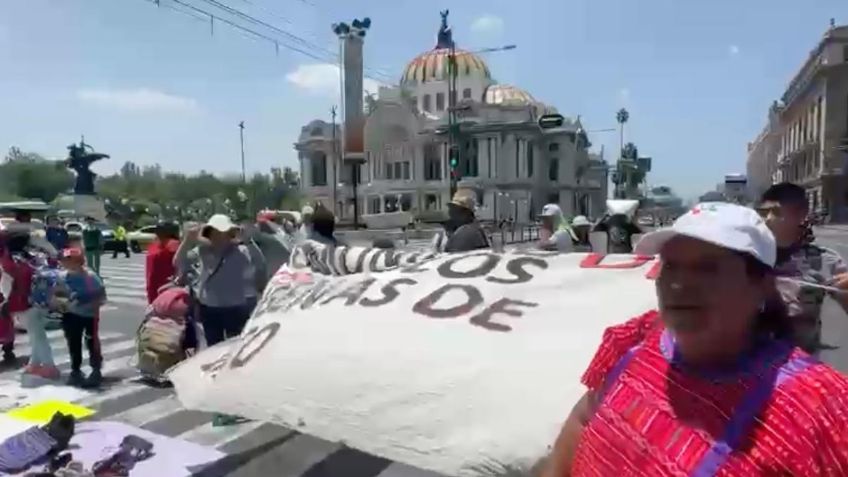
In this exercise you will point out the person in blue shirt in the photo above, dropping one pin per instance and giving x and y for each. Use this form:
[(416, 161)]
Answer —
[(81, 317), (56, 234)]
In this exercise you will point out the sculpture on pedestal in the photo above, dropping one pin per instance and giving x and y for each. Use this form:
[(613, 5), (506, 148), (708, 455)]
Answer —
[(80, 158)]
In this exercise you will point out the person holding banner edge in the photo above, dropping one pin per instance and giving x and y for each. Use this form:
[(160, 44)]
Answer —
[(709, 384)]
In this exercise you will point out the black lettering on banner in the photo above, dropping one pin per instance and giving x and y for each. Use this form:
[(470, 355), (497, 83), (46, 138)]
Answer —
[(412, 266), (315, 294), (389, 291), (352, 293), (516, 267), (446, 268), (280, 300), (425, 307), (266, 334), (216, 365), (500, 307), (375, 260)]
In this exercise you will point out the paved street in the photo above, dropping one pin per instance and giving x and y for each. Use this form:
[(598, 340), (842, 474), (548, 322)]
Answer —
[(253, 449), (835, 321)]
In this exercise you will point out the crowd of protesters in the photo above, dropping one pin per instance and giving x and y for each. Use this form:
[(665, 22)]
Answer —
[(721, 379)]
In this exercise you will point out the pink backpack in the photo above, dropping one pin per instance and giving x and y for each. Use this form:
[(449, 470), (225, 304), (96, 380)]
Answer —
[(171, 303)]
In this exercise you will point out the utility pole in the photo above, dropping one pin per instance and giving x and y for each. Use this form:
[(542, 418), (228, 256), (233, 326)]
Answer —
[(241, 137), (453, 126), (621, 174), (335, 163)]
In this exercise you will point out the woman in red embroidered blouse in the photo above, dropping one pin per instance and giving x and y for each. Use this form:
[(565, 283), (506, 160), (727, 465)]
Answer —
[(707, 385)]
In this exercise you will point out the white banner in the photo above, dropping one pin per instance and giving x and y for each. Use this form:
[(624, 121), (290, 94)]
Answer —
[(451, 364)]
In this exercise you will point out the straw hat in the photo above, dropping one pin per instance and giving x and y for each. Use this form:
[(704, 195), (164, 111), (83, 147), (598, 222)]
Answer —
[(465, 198)]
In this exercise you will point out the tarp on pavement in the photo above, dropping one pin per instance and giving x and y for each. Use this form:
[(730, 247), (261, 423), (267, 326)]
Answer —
[(448, 364)]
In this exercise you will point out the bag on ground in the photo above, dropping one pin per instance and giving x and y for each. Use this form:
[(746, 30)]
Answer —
[(160, 344)]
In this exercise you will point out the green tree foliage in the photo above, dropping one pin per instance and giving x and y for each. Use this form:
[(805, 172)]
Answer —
[(31, 176), (142, 194)]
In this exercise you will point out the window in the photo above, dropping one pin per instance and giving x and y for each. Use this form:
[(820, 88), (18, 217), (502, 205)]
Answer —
[(440, 101), (406, 201), (374, 205), (553, 169), (431, 202), (553, 147), (466, 93), (391, 204), (405, 168), (316, 131), (490, 157), (389, 171), (468, 164), (425, 105), (318, 163), (518, 143), (529, 160), (553, 198), (432, 163)]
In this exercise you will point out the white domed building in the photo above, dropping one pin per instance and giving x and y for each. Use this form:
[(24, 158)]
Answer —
[(515, 166)]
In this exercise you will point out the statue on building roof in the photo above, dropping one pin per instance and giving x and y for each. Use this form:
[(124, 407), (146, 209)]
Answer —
[(445, 39)]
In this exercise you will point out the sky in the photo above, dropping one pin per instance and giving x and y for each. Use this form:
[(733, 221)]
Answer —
[(155, 84)]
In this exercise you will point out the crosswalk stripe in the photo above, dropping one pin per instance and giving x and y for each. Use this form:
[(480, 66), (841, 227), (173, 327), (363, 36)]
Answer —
[(252, 448), (212, 436), (396, 469), (149, 412)]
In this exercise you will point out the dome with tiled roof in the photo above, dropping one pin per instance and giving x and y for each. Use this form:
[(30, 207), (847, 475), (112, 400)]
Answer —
[(507, 95), (433, 65)]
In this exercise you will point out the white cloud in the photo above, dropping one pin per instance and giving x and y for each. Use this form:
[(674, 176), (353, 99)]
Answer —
[(488, 24), (733, 50), (137, 100), (323, 79)]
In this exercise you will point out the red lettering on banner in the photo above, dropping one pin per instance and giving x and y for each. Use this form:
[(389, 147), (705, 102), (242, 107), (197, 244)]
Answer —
[(593, 260), (654, 272)]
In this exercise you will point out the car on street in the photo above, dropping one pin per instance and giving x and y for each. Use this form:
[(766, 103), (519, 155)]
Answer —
[(142, 238)]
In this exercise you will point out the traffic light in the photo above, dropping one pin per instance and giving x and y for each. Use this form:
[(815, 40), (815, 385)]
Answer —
[(550, 121), (454, 158)]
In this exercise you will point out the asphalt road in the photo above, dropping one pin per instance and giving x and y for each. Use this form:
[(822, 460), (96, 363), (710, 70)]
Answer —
[(834, 319)]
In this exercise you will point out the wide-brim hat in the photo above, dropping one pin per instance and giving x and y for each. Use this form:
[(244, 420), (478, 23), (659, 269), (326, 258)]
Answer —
[(464, 198)]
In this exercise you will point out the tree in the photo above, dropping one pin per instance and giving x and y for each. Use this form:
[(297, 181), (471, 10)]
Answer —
[(31, 176)]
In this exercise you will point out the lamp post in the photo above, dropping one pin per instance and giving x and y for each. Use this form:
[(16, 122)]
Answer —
[(335, 163), (241, 139), (351, 38)]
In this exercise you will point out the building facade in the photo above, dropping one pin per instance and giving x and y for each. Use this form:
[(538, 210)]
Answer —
[(812, 130), (761, 166), (514, 165)]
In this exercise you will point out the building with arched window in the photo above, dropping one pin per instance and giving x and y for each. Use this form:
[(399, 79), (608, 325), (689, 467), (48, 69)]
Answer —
[(515, 166)]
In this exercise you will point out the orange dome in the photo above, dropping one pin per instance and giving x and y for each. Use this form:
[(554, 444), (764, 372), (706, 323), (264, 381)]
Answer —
[(433, 66), (507, 95)]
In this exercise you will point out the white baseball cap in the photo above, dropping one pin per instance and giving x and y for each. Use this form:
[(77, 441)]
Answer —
[(580, 220), (729, 226), (550, 210), (221, 223)]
